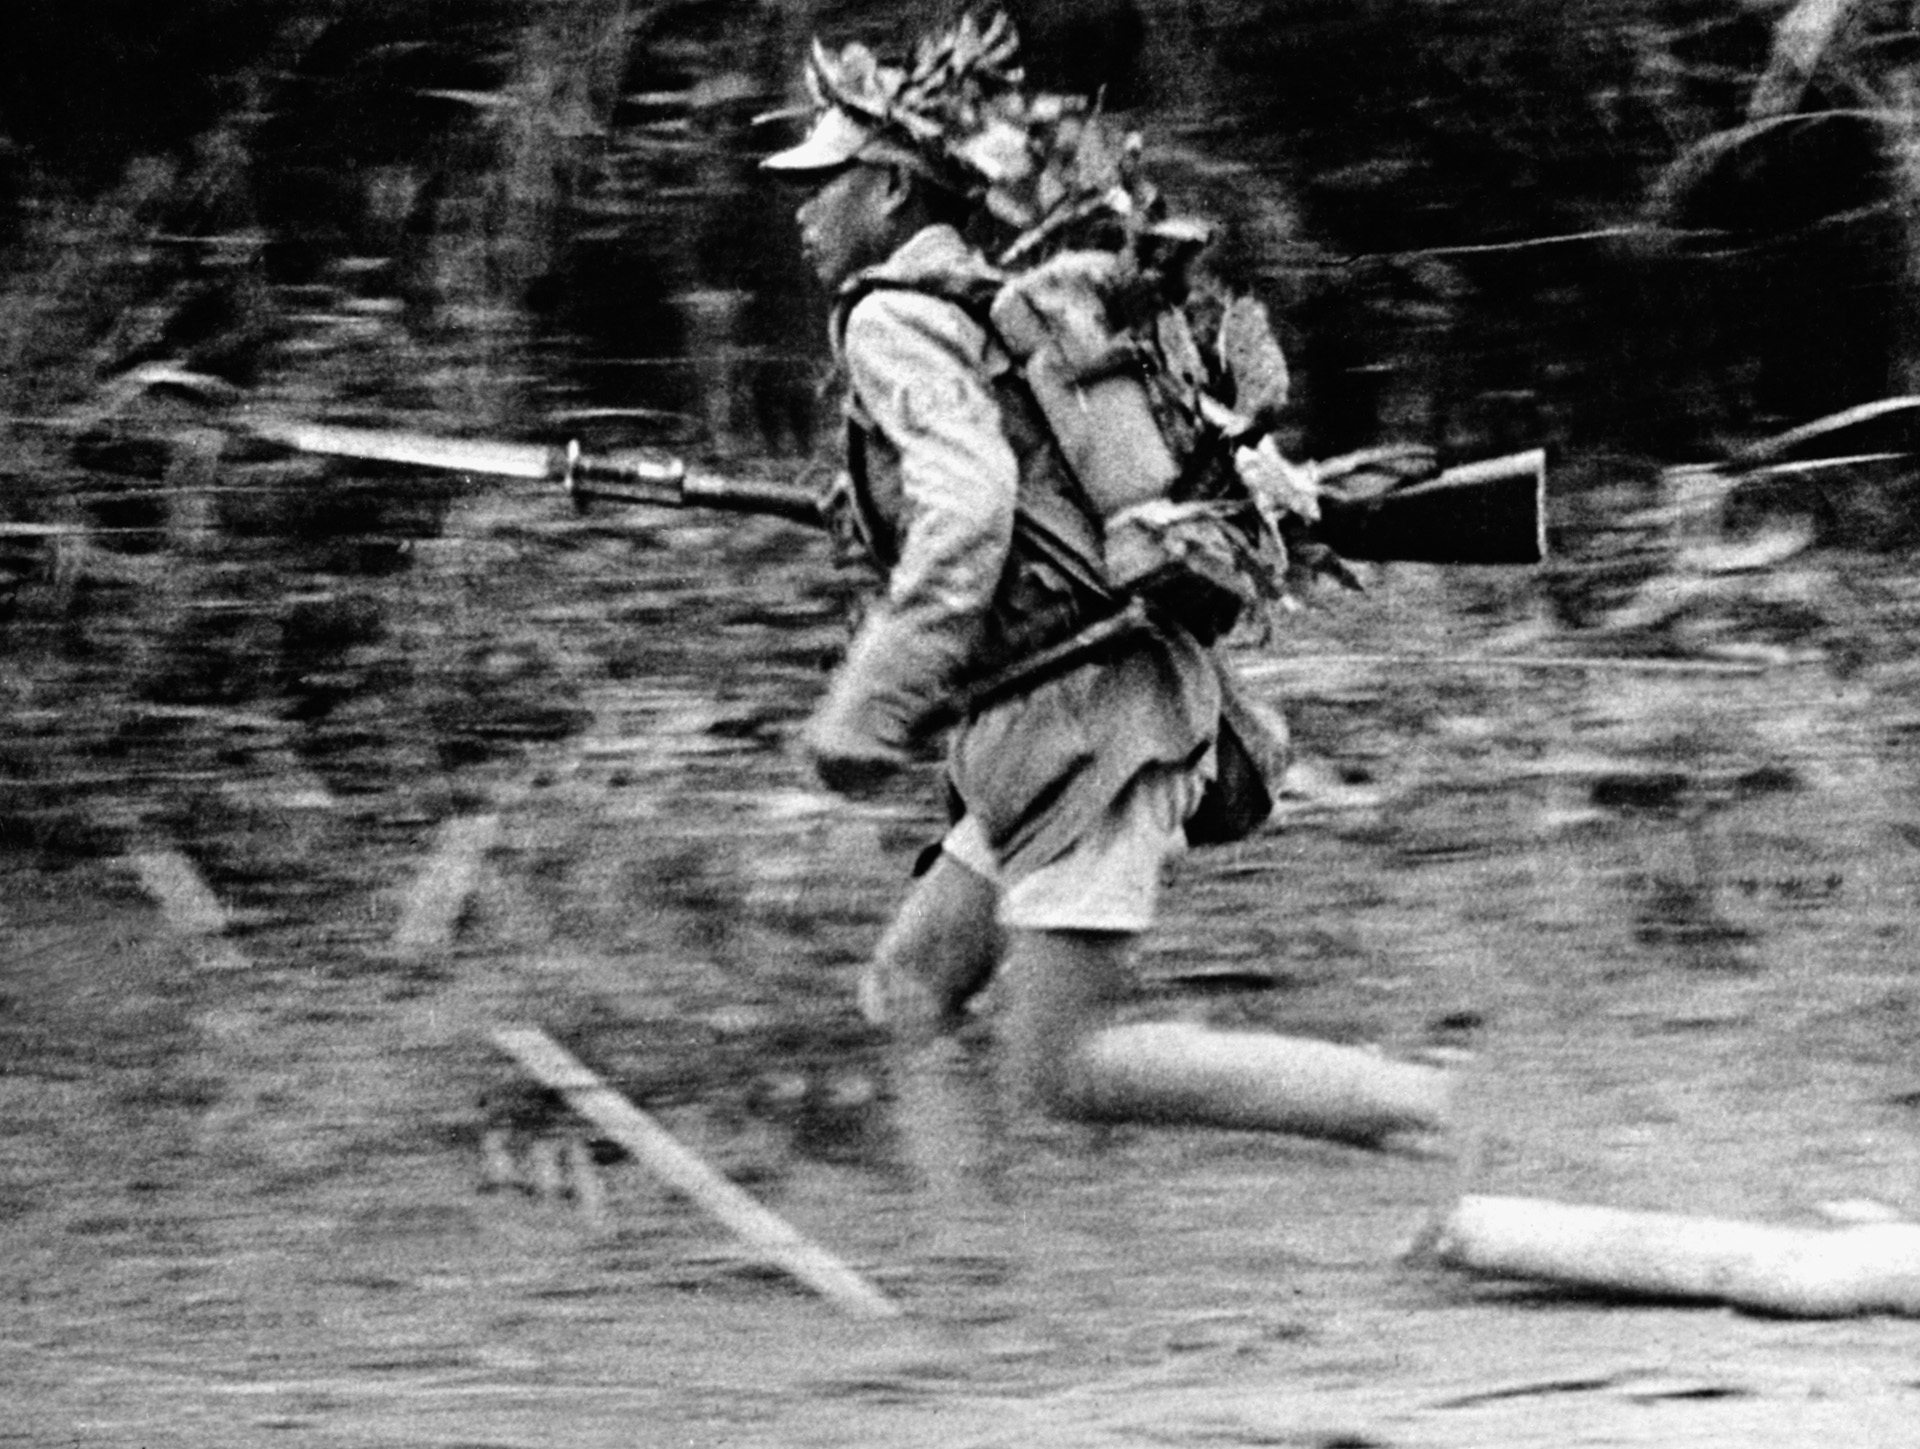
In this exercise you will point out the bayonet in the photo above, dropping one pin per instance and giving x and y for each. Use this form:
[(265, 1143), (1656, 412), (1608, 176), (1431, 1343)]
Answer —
[(651, 479)]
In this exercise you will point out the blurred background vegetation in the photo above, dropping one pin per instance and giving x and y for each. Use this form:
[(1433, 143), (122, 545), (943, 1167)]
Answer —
[(1641, 231)]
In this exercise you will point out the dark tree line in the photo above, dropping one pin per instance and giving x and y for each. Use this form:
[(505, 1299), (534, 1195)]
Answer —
[(1469, 214)]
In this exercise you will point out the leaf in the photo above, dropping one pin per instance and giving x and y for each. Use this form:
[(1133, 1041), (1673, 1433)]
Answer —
[(1097, 158), (1163, 514), (1050, 190), (1312, 559), (1250, 356), (1178, 349), (1800, 42), (1008, 208), (1221, 418), (1047, 110), (998, 152), (1281, 484)]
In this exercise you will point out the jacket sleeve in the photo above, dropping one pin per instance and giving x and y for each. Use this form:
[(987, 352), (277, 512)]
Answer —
[(917, 366)]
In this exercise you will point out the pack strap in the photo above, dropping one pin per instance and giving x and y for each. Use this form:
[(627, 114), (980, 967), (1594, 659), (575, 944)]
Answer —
[(1032, 532)]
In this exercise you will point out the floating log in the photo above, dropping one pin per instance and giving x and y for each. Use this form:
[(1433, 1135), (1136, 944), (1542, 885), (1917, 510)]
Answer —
[(657, 1150), (1799, 1272)]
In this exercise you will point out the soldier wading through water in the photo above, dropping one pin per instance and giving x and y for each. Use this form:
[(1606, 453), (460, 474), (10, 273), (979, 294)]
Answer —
[(1074, 795)]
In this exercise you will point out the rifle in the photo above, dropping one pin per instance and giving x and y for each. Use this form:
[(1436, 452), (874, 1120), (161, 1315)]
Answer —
[(1488, 512), (1491, 512)]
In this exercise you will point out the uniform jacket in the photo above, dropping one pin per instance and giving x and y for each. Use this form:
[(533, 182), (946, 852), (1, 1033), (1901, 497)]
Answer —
[(944, 459)]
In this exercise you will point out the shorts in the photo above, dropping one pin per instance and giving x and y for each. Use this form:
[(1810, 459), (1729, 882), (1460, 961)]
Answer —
[(1110, 878)]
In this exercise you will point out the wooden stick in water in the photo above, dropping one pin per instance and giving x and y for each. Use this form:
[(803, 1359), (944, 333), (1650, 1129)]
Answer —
[(656, 1150)]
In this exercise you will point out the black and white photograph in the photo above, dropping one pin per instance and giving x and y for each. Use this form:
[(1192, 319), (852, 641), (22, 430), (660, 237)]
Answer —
[(1048, 724)]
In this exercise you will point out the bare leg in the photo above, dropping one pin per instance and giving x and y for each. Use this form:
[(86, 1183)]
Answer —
[(1068, 1057), (1061, 987), (942, 947), (948, 1138)]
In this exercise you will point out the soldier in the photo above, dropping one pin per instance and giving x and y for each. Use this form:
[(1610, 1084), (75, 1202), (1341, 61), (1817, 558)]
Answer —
[(1074, 795)]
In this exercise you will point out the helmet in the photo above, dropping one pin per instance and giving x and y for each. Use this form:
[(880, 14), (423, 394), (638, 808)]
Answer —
[(1052, 171), (838, 137), (916, 116)]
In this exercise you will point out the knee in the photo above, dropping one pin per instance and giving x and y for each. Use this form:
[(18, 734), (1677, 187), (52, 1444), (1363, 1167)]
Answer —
[(939, 952), (1064, 989), (1053, 1077), (895, 995), (1072, 1089), (1062, 1093)]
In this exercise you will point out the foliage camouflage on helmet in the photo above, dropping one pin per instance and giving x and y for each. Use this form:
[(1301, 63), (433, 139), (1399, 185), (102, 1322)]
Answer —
[(1053, 170)]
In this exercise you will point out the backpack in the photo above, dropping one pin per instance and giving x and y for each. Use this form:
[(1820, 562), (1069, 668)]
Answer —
[(1147, 431), (1144, 443)]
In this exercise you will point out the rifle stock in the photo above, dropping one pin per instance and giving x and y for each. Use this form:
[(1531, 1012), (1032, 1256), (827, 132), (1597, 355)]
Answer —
[(1488, 512)]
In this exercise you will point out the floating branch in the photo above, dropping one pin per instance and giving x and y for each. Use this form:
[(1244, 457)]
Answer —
[(656, 1150)]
